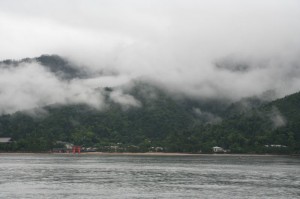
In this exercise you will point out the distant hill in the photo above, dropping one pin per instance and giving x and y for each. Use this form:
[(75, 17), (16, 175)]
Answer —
[(160, 122), (251, 125), (61, 67), (159, 119), (274, 123)]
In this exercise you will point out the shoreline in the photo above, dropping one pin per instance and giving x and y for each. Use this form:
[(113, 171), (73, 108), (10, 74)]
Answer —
[(144, 154), (175, 154)]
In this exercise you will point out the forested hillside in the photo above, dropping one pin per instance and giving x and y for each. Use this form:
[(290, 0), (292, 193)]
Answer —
[(160, 120)]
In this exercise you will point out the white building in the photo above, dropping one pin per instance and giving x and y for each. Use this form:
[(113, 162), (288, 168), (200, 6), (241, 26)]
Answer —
[(217, 149), (5, 140)]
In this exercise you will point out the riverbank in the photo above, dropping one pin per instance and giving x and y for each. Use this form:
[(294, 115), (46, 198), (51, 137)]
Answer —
[(144, 154), (177, 154)]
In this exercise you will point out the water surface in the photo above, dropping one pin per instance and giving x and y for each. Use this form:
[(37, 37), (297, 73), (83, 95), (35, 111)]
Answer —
[(126, 176)]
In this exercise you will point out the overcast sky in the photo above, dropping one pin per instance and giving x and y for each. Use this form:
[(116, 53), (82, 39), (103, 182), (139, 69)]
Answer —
[(206, 48)]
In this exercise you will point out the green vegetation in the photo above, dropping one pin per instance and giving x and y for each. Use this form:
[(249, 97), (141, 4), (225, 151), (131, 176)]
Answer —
[(160, 122)]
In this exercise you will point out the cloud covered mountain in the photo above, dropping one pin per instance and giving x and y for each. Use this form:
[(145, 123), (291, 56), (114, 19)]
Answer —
[(51, 79), (207, 60), (160, 120), (200, 50)]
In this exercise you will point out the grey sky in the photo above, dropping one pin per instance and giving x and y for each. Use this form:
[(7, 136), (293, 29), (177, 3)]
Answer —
[(175, 44)]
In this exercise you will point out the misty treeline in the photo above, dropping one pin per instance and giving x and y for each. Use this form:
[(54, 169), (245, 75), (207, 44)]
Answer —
[(175, 124)]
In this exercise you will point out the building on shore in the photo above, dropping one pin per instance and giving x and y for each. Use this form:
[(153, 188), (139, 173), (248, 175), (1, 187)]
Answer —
[(6, 143), (62, 147), (217, 149), (6, 140)]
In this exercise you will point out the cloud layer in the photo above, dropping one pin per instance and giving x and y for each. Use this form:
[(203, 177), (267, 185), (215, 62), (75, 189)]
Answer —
[(201, 49)]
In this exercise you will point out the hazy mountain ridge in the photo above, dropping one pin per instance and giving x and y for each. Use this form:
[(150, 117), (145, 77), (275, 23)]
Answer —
[(145, 116), (61, 67), (161, 121)]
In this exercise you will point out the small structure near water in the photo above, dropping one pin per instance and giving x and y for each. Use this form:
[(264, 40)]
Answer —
[(276, 146), (217, 149), (76, 149), (62, 147), (6, 143), (5, 140)]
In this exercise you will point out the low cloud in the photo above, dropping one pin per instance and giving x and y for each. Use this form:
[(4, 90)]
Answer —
[(31, 85), (125, 100), (207, 117), (277, 118), (200, 49)]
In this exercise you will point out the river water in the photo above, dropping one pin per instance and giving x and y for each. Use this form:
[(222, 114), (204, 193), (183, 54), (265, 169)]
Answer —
[(138, 176)]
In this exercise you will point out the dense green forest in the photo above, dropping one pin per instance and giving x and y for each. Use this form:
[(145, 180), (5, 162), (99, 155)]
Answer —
[(160, 122), (163, 122)]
